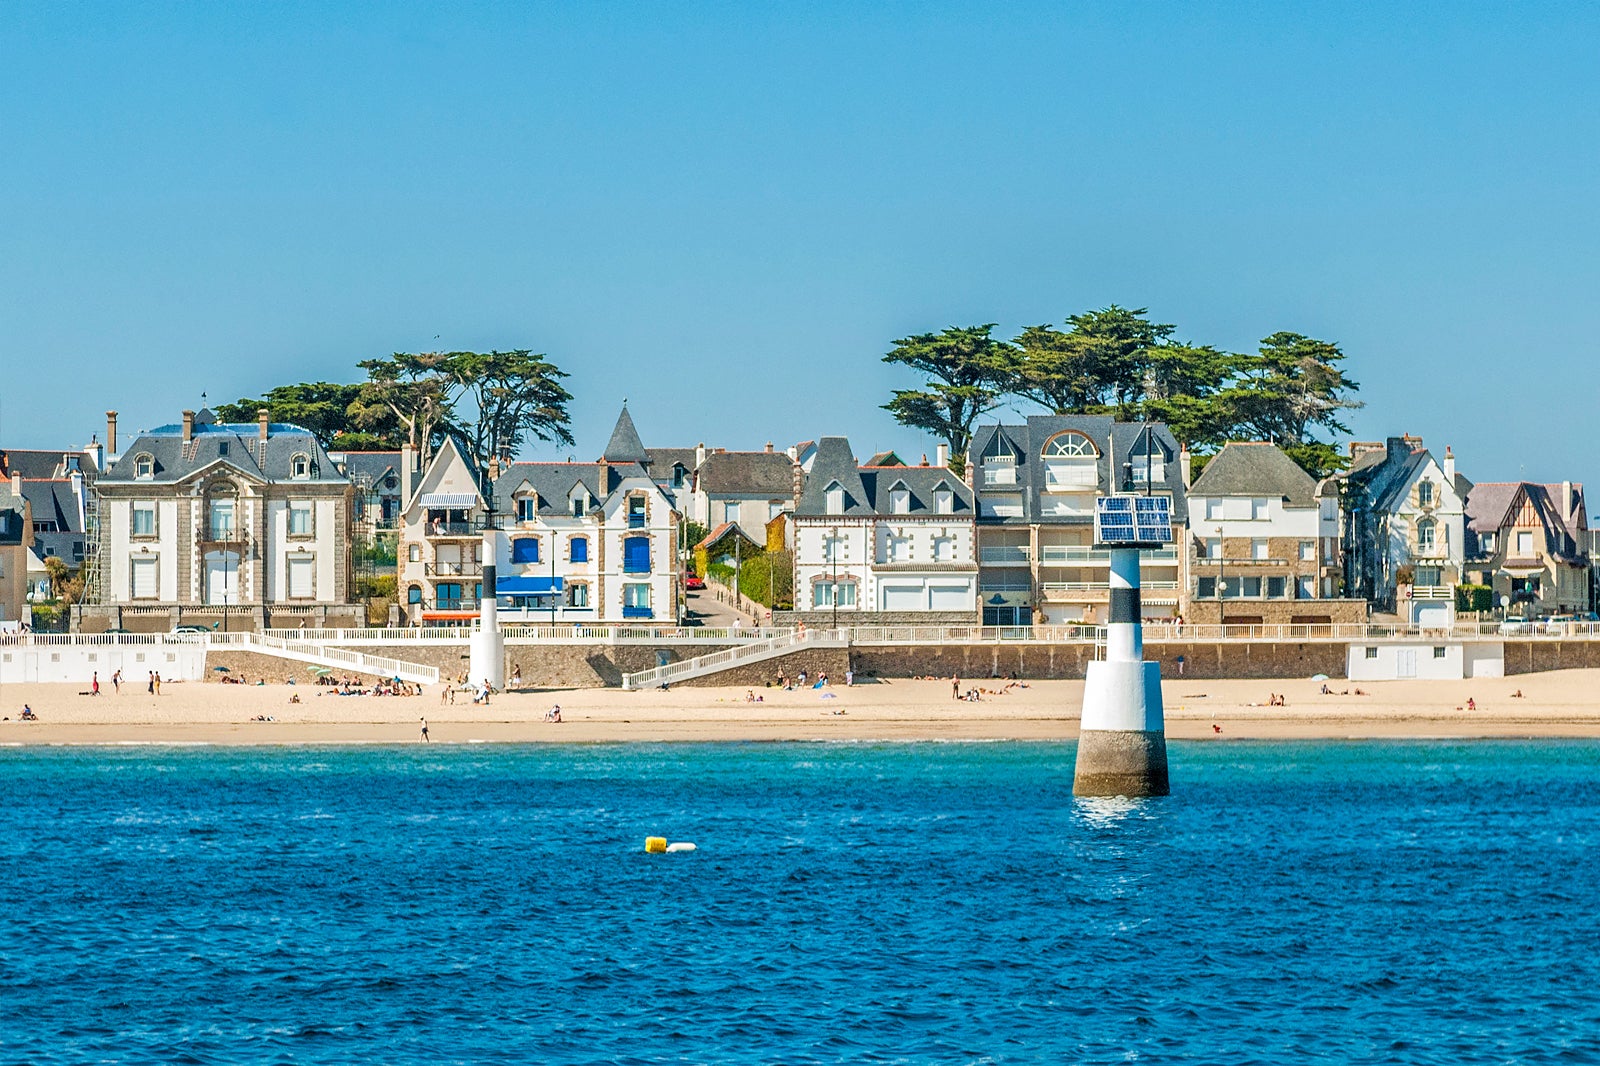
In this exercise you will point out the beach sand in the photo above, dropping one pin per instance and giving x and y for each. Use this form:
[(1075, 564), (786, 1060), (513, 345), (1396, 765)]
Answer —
[(1562, 703)]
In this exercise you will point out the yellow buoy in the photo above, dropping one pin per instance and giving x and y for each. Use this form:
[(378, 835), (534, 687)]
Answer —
[(655, 845)]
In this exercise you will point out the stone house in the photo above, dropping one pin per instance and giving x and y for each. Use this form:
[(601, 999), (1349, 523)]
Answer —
[(243, 525), (1266, 540), (883, 545), (1403, 516), (1036, 484), (439, 551), (1529, 543), (16, 545)]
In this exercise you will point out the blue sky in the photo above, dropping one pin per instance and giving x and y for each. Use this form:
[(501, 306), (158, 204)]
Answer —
[(726, 213)]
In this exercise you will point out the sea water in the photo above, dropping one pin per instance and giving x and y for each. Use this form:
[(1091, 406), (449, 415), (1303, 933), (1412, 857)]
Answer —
[(1413, 902)]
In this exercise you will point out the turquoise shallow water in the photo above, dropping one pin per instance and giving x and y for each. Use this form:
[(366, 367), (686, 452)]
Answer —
[(920, 903)]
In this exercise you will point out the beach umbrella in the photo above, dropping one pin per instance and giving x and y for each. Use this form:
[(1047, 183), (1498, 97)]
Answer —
[(222, 669), (1319, 677), (319, 669)]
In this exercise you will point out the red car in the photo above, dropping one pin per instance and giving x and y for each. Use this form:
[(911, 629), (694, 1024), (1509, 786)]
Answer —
[(693, 581)]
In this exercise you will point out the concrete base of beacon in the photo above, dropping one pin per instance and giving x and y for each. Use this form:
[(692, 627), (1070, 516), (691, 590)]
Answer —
[(487, 659), (1122, 740)]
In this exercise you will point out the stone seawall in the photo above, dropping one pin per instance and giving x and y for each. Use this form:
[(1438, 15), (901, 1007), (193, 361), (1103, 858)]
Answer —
[(251, 666), (1068, 661), (550, 665), (1537, 656)]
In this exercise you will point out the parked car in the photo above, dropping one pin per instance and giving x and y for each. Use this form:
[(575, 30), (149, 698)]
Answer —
[(693, 581), (192, 629), (1515, 626)]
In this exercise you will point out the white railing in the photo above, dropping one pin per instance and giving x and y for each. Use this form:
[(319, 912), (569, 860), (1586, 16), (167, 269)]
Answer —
[(325, 654), (1433, 592), (525, 634), (1070, 554), (730, 657), (1003, 554)]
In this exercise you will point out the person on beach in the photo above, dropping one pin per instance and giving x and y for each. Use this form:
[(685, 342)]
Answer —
[(28, 715), (444, 694), (1472, 704), (425, 739), (116, 682), (955, 686), (158, 682), (1180, 660), (850, 678), (94, 684), (553, 714), (516, 676), (150, 686)]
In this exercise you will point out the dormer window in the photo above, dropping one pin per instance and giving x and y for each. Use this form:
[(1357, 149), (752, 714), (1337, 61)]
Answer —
[(527, 508), (678, 473), (300, 467), (900, 500), (944, 501), (144, 466), (1425, 497), (835, 498), (580, 504)]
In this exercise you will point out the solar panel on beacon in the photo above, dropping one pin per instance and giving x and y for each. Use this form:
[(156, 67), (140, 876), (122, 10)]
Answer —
[(1133, 521)]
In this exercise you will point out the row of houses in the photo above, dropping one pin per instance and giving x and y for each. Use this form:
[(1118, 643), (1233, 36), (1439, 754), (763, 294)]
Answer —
[(260, 522)]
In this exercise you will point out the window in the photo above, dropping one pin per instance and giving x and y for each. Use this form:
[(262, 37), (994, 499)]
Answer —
[(636, 601), (1305, 588), (1308, 551), (1427, 576), (635, 512), (1207, 588), (300, 467), (142, 575), (1213, 510), (677, 475), (144, 519), (447, 595), (1258, 508), (299, 519), (835, 503), (1071, 461), (1425, 534), (302, 576), (414, 594), (222, 516), (1258, 547), (835, 548), (900, 501), (1372, 653), (414, 553), (525, 550), (1438, 653), (898, 548), (944, 501), (222, 447), (1425, 493), (1275, 588), (1524, 542), (1213, 547), (1072, 444), (1250, 587), (578, 549), (829, 594), (578, 595), (1487, 540), (527, 508), (847, 593), (144, 466), (636, 555), (944, 549)]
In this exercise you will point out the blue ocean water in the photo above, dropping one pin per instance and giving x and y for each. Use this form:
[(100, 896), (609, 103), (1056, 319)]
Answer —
[(1419, 902)]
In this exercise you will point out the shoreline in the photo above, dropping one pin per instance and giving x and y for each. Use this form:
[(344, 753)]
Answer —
[(1553, 705)]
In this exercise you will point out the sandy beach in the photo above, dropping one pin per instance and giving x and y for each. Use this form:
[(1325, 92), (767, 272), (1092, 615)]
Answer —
[(1565, 703)]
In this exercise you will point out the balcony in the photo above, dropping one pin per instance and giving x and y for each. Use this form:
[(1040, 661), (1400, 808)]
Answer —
[(637, 612), (1082, 555), (454, 569), (1212, 561), (450, 529), (1004, 555), (999, 475)]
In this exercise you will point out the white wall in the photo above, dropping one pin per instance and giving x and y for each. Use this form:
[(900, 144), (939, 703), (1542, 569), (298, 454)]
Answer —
[(75, 663), (1405, 660)]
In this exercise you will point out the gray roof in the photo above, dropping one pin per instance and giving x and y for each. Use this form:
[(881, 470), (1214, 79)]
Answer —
[(234, 444), (769, 474), (662, 460), (1256, 468), (625, 445), (867, 488), (1492, 505), (11, 506), (1382, 475), (54, 501), (38, 463), (374, 467), (1126, 441), (554, 482)]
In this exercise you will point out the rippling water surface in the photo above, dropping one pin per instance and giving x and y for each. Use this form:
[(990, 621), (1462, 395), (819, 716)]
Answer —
[(939, 903)]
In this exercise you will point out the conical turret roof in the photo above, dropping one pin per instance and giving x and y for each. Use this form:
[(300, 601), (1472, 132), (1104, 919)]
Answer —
[(625, 446)]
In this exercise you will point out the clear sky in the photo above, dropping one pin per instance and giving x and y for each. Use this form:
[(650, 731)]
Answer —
[(726, 213)]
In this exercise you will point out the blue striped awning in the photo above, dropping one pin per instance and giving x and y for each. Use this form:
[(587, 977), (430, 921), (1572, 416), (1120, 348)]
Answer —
[(527, 586)]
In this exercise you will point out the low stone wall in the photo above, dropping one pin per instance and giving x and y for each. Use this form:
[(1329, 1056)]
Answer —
[(832, 661), (1068, 661), (824, 619), (252, 666), (549, 665), (1535, 656)]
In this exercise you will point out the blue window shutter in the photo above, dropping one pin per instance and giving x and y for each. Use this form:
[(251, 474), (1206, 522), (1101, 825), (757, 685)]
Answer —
[(525, 550), (636, 555), (580, 549)]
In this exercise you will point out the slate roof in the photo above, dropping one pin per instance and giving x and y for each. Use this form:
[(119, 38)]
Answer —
[(54, 501), (769, 474), (37, 463), (867, 489), (1124, 440), (374, 466), (174, 462), (662, 460), (625, 445), (1492, 505), (554, 482), (11, 506), (1256, 469), (1383, 474)]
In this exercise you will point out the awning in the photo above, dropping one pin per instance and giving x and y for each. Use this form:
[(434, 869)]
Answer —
[(527, 586), (449, 616), (449, 499)]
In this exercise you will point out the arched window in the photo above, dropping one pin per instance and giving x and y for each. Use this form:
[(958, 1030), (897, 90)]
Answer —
[(1426, 533), (414, 594), (1070, 444), (144, 466), (300, 466), (835, 503), (222, 511)]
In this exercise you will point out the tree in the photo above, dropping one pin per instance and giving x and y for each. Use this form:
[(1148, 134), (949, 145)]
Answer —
[(1101, 361), (58, 573), (1290, 389), (516, 394), (418, 390), (969, 369), (323, 408)]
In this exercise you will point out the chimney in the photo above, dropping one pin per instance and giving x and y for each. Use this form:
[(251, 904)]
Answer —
[(188, 426), (16, 483), (1396, 448), (769, 447), (111, 433), (941, 455), (924, 458), (1450, 466), (699, 455), (261, 421), (1566, 503), (1186, 466), (408, 461)]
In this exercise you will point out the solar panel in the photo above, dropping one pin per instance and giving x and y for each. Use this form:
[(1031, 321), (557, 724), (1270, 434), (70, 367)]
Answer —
[(1133, 521)]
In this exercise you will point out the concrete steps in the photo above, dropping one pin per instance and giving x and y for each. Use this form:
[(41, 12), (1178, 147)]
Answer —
[(702, 665)]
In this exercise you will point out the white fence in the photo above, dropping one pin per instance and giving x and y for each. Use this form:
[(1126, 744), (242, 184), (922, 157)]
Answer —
[(56, 658), (792, 640)]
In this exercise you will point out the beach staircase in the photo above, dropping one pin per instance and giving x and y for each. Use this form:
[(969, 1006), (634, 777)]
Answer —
[(316, 653), (717, 661)]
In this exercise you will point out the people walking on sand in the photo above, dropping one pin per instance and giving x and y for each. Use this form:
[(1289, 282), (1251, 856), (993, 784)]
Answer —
[(425, 739), (150, 685), (116, 682), (444, 694), (955, 686), (849, 677), (94, 684), (158, 682), (516, 676)]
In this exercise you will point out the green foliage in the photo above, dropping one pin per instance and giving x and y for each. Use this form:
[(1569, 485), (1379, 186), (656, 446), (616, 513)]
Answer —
[(767, 578), (50, 618), (417, 391), (1474, 598), (694, 533), (517, 394), (323, 408), (376, 586), (969, 371)]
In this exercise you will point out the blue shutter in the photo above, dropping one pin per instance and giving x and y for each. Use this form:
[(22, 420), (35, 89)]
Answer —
[(636, 555), (525, 550), (580, 549)]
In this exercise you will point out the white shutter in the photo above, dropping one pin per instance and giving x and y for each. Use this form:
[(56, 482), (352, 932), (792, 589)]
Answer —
[(904, 598), (144, 579), (302, 577), (952, 598)]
